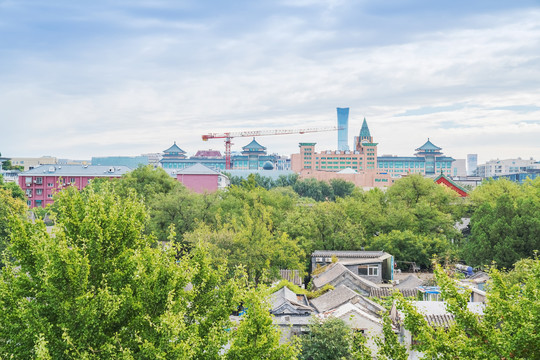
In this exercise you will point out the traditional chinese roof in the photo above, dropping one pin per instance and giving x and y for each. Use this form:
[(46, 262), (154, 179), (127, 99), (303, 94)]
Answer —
[(334, 271), (174, 149), (364, 131), (384, 292), (445, 180), (428, 146), (208, 153), (254, 146), (284, 301), (436, 315)]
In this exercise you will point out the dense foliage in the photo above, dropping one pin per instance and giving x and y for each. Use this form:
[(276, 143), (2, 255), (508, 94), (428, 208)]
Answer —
[(329, 339), (142, 267), (505, 224), (508, 328), (10, 207), (99, 287)]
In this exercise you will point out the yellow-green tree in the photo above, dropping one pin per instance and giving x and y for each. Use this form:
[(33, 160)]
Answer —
[(100, 288)]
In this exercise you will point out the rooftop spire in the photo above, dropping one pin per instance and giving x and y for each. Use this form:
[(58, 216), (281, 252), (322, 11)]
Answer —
[(364, 131)]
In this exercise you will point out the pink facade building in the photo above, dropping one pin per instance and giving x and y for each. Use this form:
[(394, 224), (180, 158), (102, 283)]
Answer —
[(41, 183), (201, 179)]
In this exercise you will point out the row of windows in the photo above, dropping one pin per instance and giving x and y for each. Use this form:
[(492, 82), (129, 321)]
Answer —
[(338, 158), (39, 181), (400, 164), (340, 162)]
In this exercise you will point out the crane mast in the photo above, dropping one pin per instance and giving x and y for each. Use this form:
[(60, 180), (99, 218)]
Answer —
[(228, 136)]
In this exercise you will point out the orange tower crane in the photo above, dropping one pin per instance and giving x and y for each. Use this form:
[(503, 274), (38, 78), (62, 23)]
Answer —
[(228, 136)]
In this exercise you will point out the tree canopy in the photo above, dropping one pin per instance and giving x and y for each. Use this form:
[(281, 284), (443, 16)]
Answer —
[(99, 287)]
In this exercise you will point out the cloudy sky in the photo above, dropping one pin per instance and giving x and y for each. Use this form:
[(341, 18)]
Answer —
[(124, 77)]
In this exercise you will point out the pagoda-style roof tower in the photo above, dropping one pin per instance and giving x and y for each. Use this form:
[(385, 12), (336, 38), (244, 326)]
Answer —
[(428, 149), (253, 148), (174, 152)]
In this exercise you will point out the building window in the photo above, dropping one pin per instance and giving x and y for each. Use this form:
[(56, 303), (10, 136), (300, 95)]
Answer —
[(49, 196), (72, 180), (39, 191), (50, 184), (368, 270), (39, 180)]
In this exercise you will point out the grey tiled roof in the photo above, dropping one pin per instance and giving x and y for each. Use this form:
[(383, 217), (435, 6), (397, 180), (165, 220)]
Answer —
[(197, 169), (347, 254), (292, 276), (335, 270), (333, 298), (77, 170), (436, 314), (286, 296), (384, 292), (410, 282)]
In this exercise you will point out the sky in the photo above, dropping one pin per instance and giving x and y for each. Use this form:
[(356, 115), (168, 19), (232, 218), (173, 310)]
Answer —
[(107, 78)]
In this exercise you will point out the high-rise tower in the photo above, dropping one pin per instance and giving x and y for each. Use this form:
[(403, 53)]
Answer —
[(343, 125), (472, 164)]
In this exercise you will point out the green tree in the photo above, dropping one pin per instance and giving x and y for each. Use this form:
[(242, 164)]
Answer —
[(256, 337), (97, 288), (286, 180), (327, 340), (508, 329), (6, 165), (251, 240), (507, 228), (315, 189), (148, 182), (9, 207), (13, 188), (341, 188), (180, 207), (411, 247)]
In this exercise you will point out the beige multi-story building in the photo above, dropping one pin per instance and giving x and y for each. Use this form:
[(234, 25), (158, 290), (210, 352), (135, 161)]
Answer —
[(358, 166), (29, 162)]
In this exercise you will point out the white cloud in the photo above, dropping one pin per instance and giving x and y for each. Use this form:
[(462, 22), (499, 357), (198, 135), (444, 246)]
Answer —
[(179, 79)]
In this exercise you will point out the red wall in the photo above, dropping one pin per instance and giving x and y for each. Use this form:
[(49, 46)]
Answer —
[(49, 186), (199, 183)]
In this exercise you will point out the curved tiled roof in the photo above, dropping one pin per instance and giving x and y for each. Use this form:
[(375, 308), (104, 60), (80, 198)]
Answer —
[(174, 149), (254, 145), (428, 146)]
